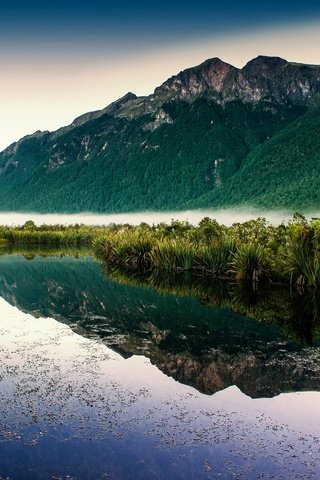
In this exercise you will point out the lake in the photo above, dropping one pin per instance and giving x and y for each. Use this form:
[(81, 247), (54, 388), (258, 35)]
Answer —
[(178, 377)]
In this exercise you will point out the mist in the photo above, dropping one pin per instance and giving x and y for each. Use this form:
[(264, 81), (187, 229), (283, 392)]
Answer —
[(223, 216)]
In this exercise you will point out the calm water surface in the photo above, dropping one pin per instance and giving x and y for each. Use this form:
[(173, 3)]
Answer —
[(190, 379)]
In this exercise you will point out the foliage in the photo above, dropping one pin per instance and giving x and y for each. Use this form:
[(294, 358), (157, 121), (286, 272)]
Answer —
[(172, 254), (210, 155), (303, 257), (30, 234), (249, 262), (215, 257), (253, 251), (282, 172)]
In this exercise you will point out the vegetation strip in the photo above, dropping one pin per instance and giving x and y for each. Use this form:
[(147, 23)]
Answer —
[(254, 251)]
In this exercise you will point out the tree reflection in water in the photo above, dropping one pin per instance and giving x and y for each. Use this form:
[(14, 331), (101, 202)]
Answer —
[(202, 332)]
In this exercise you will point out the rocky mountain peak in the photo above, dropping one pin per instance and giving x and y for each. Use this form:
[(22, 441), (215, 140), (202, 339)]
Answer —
[(265, 66), (121, 102), (262, 79), (209, 75), (214, 71), (190, 144), (112, 108), (214, 64)]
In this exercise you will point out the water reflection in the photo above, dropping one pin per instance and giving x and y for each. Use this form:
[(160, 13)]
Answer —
[(206, 334), (297, 312), (71, 408)]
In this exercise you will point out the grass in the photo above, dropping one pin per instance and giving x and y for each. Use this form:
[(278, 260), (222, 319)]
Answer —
[(250, 263), (252, 252), (173, 254), (57, 235), (304, 266)]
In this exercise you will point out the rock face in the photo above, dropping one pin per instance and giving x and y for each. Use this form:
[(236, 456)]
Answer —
[(180, 147), (263, 78), (211, 75), (114, 107)]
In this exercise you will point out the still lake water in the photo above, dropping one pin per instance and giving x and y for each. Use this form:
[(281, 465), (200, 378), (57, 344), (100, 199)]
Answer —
[(190, 379)]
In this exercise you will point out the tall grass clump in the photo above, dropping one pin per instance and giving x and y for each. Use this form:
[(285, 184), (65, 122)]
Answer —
[(134, 251), (172, 254), (250, 263), (302, 259), (130, 250), (304, 265), (215, 257), (38, 236), (102, 245)]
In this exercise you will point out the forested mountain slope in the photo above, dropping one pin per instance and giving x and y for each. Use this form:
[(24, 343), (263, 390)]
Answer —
[(210, 136)]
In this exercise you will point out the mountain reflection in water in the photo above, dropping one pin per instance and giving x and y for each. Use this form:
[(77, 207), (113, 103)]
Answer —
[(209, 335)]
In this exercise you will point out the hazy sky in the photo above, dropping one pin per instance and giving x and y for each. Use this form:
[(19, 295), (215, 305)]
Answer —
[(63, 58)]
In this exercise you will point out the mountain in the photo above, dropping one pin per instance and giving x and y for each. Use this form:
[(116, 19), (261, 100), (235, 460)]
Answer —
[(211, 136)]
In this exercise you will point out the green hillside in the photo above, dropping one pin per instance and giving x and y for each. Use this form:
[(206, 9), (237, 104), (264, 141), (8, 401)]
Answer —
[(126, 167), (210, 136), (282, 172)]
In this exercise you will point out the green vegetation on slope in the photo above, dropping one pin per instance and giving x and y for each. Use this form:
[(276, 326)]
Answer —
[(113, 164), (282, 172)]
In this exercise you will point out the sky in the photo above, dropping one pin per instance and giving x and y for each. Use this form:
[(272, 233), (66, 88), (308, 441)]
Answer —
[(60, 59)]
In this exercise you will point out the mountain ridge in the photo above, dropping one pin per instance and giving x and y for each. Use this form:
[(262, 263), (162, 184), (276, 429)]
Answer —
[(190, 138), (257, 66)]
